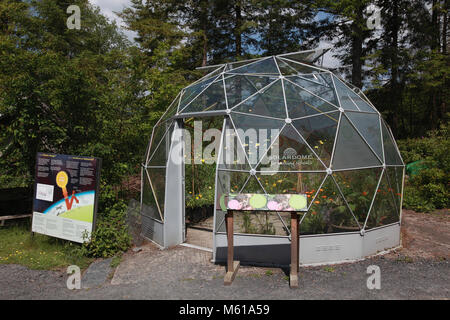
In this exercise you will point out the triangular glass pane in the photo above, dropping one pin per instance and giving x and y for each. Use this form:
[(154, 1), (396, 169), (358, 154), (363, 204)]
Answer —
[(211, 99), (395, 180), (291, 68), (319, 132), (266, 66), (159, 132), (349, 99), (233, 153), (268, 103), (256, 134), (351, 150), (292, 183), (306, 56), (158, 180), (369, 127), (193, 91), (301, 103), (328, 212), (391, 154), (240, 87), (149, 205), (252, 186), (234, 65), (159, 157), (290, 153), (358, 188), (317, 87), (384, 210), (171, 111)]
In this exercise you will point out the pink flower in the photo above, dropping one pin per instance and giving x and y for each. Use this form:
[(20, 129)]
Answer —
[(234, 205), (274, 206)]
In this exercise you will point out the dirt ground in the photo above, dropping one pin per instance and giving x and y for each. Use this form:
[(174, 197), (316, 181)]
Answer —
[(426, 235), (420, 270)]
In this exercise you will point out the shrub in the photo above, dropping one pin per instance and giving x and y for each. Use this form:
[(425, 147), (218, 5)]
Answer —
[(428, 190), (111, 234)]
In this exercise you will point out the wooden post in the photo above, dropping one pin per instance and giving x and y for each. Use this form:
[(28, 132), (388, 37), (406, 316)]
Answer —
[(293, 278), (232, 266)]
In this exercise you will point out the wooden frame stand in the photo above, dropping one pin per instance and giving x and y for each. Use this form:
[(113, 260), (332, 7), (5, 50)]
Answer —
[(293, 276), (232, 266)]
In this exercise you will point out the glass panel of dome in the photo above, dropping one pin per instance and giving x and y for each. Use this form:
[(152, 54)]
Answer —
[(158, 181), (349, 99), (358, 188), (269, 102), (328, 213), (240, 87), (266, 66), (320, 90), (383, 210), (306, 56), (390, 150), (395, 180), (191, 92), (149, 205), (234, 65), (369, 127), (351, 150), (233, 153), (301, 103), (159, 157), (291, 68), (256, 134), (290, 153), (319, 131), (158, 134), (292, 183), (213, 98)]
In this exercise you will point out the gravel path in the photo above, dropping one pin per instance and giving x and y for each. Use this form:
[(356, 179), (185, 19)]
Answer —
[(419, 271), (184, 273)]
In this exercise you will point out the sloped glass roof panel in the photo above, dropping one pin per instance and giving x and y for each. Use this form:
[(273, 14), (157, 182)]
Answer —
[(351, 150), (301, 103), (266, 66), (240, 87), (320, 132), (349, 99), (191, 92), (369, 127), (291, 68), (318, 87), (211, 99), (269, 102), (391, 154)]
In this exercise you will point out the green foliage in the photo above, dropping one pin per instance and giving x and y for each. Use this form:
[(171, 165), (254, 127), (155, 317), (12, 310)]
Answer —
[(111, 234), (429, 189)]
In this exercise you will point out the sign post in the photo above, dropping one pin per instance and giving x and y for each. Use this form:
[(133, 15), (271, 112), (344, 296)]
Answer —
[(66, 196)]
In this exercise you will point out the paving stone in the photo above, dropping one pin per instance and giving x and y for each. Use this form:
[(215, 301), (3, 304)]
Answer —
[(96, 274)]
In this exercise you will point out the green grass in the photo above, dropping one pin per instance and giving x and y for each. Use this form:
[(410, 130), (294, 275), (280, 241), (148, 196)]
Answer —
[(38, 252), (116, 260)]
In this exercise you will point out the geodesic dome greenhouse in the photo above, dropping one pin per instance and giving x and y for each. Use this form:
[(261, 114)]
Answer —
[(296, 128)]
